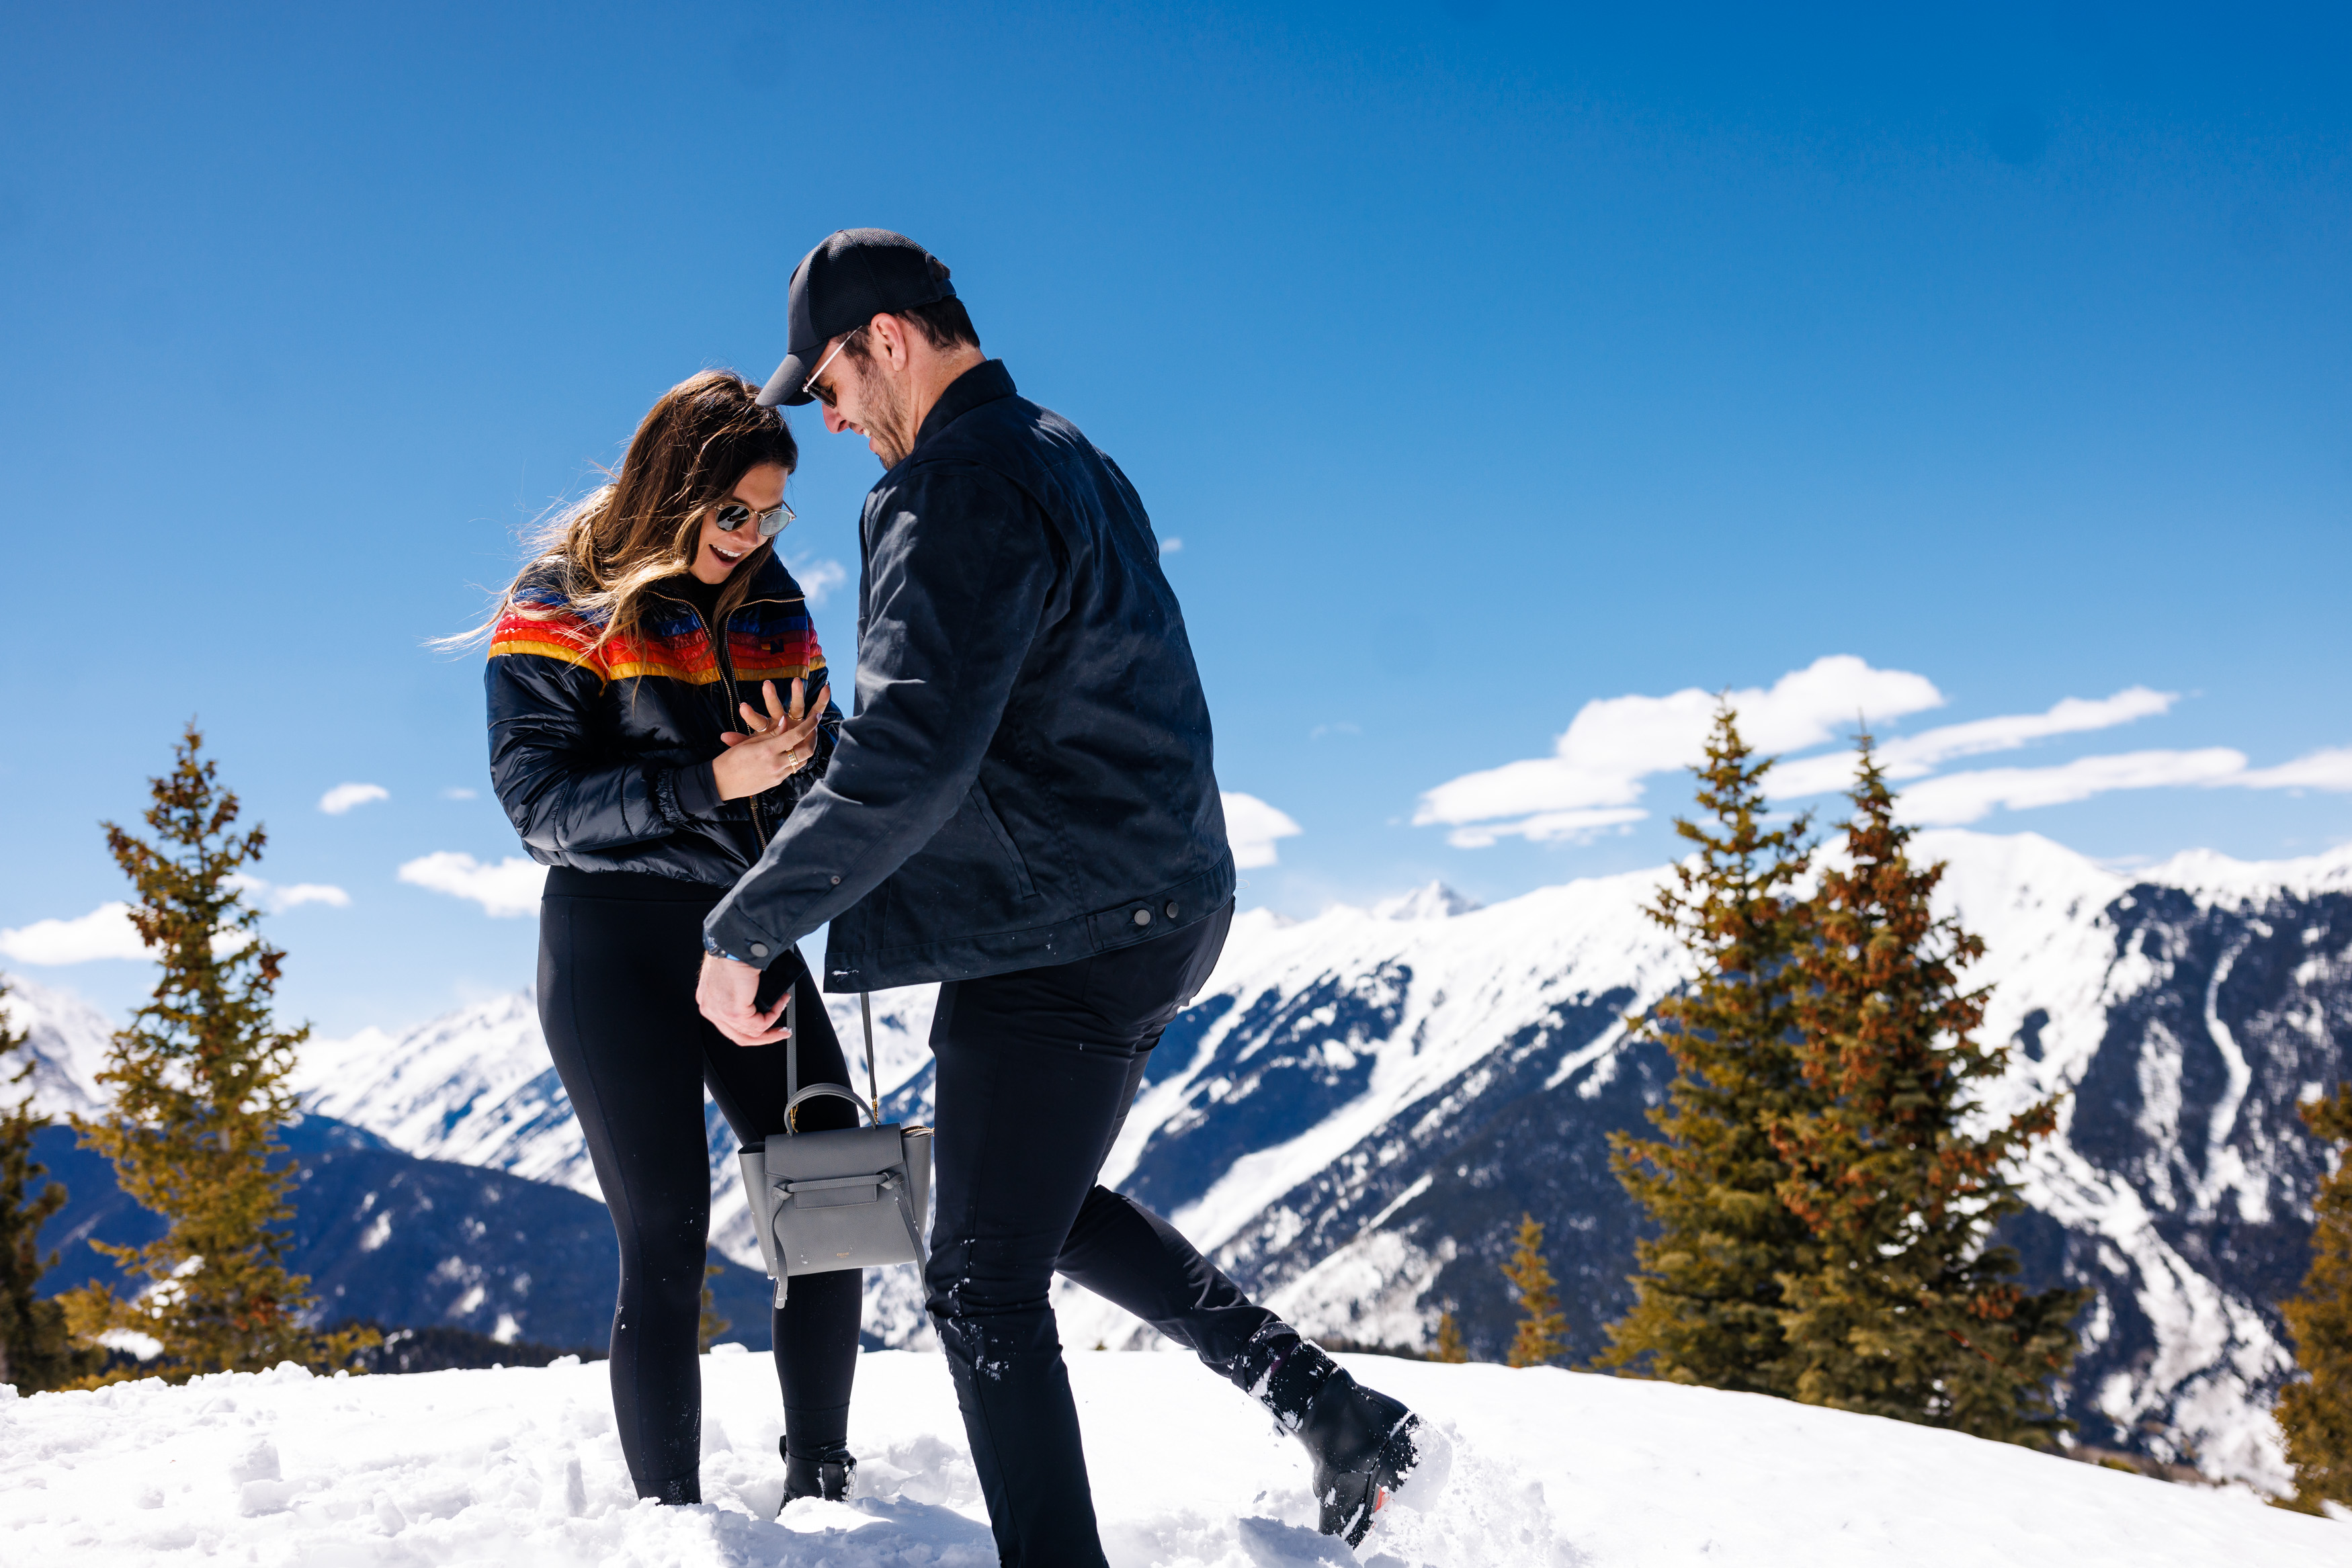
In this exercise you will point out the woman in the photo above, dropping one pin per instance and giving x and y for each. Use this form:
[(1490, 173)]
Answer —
[(627, 755)]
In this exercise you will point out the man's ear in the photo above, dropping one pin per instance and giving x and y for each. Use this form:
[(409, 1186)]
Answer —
[(891, 337)]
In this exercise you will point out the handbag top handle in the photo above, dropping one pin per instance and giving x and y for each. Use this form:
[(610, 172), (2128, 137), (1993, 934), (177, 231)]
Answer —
[(794, 1094)]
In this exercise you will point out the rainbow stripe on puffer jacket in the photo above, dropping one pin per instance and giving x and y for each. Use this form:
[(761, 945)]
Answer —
[(601, 755)]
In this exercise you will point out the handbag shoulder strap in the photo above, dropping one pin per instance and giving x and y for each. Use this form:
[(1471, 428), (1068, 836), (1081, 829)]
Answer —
[(792, 1054), (873, 1092)]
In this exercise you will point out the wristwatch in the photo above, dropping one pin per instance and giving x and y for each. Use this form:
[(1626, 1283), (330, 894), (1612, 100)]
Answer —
[(711, 947)]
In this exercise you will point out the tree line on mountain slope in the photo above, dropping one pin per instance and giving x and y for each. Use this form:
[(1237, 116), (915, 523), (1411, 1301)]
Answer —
[(1822, 1195)]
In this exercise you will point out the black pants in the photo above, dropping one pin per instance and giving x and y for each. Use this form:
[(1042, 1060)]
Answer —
[(618, 958), (1036, 1073)]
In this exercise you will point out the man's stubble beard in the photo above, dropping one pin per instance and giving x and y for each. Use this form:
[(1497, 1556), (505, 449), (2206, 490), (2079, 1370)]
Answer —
[(886, 417)]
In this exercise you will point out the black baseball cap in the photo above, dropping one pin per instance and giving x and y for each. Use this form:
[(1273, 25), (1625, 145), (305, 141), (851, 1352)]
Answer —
[(853, 276)]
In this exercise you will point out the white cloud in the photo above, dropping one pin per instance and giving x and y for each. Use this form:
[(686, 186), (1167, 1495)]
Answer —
[(818, 578), (104, 933), (1594, 775), (2071, 716), (511, 887), (1172, 545), (1914, 755), (458, 792), (1956, 798), (343, 797), (2329, 770), (1594, 779), (277, 899), (1252, 826), (1580, 826)]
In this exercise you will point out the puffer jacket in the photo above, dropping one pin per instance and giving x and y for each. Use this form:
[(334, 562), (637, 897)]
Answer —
[(602, 758)]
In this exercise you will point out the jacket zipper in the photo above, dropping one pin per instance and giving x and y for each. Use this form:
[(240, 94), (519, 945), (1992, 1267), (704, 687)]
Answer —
[(727, 676), (727, 679)]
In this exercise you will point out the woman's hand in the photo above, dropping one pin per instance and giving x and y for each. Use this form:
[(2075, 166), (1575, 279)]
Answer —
[(777, 744)]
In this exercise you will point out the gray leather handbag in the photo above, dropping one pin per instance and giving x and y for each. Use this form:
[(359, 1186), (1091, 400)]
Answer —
[(852, 1197)]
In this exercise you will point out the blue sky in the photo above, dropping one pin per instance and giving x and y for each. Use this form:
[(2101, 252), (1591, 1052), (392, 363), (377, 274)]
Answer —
[(1487, 361)]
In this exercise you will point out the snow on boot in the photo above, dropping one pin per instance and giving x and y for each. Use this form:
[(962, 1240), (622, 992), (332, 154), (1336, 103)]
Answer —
[(825, 1474), (1364, 1444)]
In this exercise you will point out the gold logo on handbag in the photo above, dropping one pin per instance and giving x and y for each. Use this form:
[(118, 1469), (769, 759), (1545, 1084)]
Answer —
[(851, 1197)]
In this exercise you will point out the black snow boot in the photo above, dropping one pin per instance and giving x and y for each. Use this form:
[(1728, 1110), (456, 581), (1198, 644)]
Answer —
[(825, 1473), (1364, 1444)]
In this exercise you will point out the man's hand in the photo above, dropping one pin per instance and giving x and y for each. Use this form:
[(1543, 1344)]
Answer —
[(728, 996), (771, 748)]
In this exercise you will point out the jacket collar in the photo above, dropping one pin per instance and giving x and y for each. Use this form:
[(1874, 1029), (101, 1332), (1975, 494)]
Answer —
[(771, 579), (984, 382)]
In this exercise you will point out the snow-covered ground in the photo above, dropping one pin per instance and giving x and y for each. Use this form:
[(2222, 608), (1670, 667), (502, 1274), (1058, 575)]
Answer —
[(521, 1467)]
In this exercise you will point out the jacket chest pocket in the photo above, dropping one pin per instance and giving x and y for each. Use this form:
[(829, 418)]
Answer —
[(977, 800)]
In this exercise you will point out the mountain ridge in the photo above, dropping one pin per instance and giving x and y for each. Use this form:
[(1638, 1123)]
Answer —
[(1353, 1113)]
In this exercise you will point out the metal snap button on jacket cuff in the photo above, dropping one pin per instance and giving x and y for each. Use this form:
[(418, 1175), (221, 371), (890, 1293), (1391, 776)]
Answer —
[(759, 949), (1143, 917)]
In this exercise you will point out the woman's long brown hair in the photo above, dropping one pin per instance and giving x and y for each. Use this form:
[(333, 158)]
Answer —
[(691, 451)]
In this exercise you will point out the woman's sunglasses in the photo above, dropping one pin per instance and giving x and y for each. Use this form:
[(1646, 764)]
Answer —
[(772, 521)]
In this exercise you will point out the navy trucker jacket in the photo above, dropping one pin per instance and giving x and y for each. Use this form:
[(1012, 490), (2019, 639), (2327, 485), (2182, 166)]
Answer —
[(1028, 778)]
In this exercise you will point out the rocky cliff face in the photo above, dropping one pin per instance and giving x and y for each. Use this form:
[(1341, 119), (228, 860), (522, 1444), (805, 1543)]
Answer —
[(1355, 1113)]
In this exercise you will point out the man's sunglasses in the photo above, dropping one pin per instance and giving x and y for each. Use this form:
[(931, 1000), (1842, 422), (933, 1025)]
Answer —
[(825, 394), (772, 521)]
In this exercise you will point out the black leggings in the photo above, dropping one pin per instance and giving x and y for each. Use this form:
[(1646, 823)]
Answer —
[(619, 954)]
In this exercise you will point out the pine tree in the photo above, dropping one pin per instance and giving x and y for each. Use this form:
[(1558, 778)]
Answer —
[(1908, 1313), (1543, 1328), (35, 1351), (1450, 1348), (1706, 1306), (2315, 1415), (198, 1085), (709, 1325)]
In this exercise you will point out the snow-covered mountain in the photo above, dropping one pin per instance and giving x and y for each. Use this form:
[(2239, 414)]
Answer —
[(1356, 1111), (69, 1039), (477, 1086)]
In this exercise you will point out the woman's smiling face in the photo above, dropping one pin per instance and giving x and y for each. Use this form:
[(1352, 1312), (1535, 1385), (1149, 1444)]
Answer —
[(717, 550)]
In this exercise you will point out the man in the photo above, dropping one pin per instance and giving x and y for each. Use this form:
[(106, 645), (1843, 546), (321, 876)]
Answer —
[(1023, 809)]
